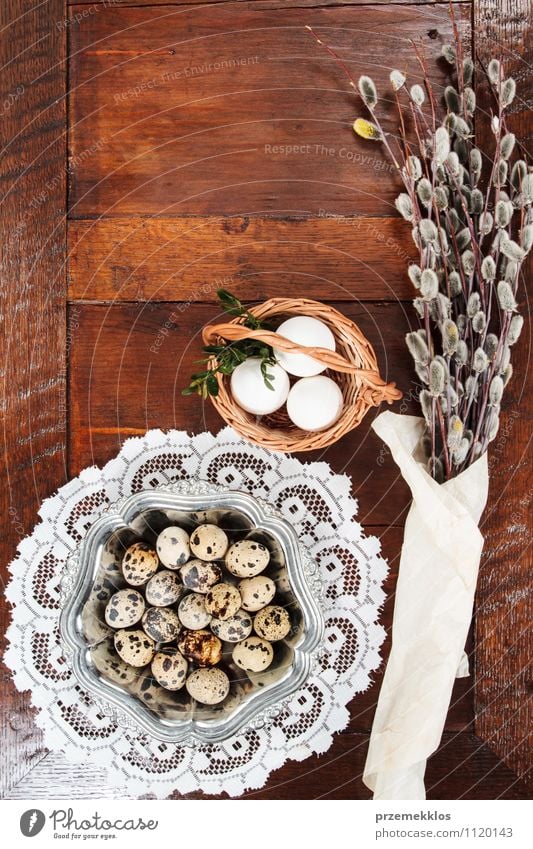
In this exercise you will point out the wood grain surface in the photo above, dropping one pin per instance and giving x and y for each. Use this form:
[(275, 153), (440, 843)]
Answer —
[(211, 110), (188, 259), (504, 608), (32, 308), (176, 187)]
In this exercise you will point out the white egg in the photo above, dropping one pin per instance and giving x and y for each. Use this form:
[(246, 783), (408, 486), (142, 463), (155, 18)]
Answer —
[(314, 403), (251, 392), (309, 332)]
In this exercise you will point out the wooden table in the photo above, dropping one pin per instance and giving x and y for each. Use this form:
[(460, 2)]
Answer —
[(154, 152)]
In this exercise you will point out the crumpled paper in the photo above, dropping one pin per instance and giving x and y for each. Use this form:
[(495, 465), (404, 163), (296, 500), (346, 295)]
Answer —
[(432, 613)]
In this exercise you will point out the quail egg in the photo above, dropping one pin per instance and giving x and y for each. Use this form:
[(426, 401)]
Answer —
[(223, 601), (234, 629), (272, 623), (208, 686), (192, 612), (253, 654), (124, 608), (139, 563), (209, 542), (134, 647), (173, 547), (200, 576), (161, 624), (256, 592), (247, 558), (169, 669), (200, 647), (163, 589)]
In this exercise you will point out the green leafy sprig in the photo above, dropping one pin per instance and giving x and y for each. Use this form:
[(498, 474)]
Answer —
[(224, 358)]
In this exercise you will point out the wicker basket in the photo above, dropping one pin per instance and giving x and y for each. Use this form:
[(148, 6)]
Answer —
[(353, 365)]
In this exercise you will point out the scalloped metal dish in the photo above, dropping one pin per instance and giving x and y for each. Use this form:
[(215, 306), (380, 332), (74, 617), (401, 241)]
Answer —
[(255, 708)]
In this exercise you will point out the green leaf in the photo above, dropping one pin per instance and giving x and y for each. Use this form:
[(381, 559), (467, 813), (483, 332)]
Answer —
[(212, 384)]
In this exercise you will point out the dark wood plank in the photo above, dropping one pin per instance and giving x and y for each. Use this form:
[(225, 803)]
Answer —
[(235, 110), (129, 363), (463, 768), (504, 609), (258, 4), (181, 259), (32, 181)]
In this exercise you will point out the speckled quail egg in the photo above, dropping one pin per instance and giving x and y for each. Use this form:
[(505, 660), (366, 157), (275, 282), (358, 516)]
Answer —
[(208, 686), (169, 669), (234, 629), (163, 589), (223, 601), (192, 612), (124, 608), (173, 547), (209, 542), (139, 563), (200, 576), (161, 624), (256, 592), (272, 623), (200, 647), (247, 558), (253, 654), (134, 647)]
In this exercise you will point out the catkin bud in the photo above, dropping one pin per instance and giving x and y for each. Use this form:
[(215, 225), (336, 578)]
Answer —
[(500, 173), (441, 198), (475, 164), (518, 173), (427, 405), (429, 284), (476, 202), (450, 336), (502, 214), (515, 329), (491, 345), (479, 322), (526, 237), (451, 97), (494, 71), (417, 94), (404, 206), (418, 348), (471, 387), (453, 164), (463, 238), (454, 280), (507, 374), (481, 361), (368, 91), (496, 390), (428, 231), (425, 191), (486, 222), (461, 354), (473, 305), (418, 304), (441, 145), (459, 455), (414, 274), (493, 425), (468, 70), (397, 80), (508, 92), (437, 378), (511, 250), (507, 145), (455, 433), (506, 298), (449, 53), (469, 100), (488, 268), (469, 262), (511, 270), (414, 167)]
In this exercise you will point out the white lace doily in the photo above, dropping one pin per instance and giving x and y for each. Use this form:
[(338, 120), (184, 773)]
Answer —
[(318, 504)]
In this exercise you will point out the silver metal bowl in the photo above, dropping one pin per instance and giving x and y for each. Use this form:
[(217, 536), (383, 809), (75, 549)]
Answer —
[(132, 697)]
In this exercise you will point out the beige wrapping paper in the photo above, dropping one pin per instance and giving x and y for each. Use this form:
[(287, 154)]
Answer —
[(432, 613)]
